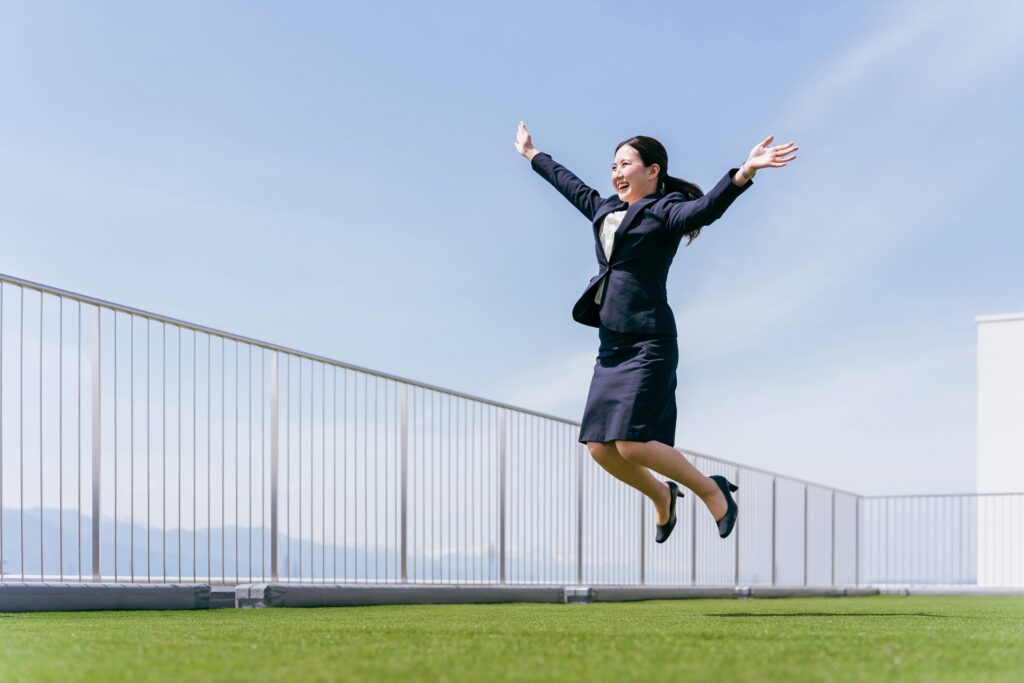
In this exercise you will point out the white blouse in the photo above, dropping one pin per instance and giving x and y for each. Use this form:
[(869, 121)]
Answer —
[(609, 225)]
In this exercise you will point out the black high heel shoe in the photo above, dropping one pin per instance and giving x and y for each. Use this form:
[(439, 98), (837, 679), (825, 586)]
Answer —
[(728, 520), (665, 530)]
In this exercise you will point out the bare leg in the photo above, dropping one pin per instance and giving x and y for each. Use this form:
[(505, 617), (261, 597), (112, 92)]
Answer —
[(636, 476), (669, 462)]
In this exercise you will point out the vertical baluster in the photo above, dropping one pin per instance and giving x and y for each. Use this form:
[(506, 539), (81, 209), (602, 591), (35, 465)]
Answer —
[(60, 435), (736, 531), (2, 561), (274, 450), (179, 453), (249, 440), (502, 493), (223, 460), (856, 544), (163, 448), (323, 472), (149, 444), (116, 472), (131, 446), (236, 475), (833, 537), (209, 458), (775, 505), (405, 483), (334, 471), (78, 449), (42, 520), (805, 531), (95, 446), (195, 497), (21, 438)]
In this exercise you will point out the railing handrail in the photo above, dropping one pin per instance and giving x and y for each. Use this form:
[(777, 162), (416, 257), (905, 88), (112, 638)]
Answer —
[(102, 303), (777, 475)]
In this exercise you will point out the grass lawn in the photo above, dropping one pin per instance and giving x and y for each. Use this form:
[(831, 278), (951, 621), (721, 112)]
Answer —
[(796, 639)]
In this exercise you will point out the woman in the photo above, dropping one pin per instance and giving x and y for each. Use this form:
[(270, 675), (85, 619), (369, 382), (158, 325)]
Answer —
[(629, 422)]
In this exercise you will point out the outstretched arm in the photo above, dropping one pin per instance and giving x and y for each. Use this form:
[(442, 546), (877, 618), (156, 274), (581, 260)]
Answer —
[(583, 197), (688, 216)]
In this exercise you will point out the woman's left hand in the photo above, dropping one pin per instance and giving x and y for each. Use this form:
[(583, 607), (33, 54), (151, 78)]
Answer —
[(763, 155)]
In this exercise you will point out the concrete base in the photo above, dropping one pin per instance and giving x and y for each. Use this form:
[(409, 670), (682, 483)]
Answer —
[(910, 590), (630, 593), (623, 593), (804, 592), (222, 596), (343, 595), (65, 597), (45, 597), (338, 595)]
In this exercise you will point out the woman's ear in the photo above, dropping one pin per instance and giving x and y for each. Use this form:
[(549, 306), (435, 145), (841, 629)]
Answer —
[(653, 171)]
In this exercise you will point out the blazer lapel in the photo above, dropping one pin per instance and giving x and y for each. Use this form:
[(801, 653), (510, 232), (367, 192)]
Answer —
[(607, 208), (635, 209)]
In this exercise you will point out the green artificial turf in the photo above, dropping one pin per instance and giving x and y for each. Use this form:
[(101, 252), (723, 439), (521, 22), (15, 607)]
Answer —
[(913, 638)]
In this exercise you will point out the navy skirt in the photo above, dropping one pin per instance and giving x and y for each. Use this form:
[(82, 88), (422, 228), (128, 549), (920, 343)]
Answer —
[(633, 392)]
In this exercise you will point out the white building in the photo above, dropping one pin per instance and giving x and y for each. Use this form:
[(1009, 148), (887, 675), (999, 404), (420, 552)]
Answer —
[(1000, 447)]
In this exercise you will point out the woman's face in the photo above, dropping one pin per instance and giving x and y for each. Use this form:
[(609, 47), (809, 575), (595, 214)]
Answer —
[(630, 178)]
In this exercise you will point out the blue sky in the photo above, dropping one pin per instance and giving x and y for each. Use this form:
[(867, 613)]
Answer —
[(342, 180)]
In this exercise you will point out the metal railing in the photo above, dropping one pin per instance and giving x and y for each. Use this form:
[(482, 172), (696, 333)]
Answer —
[(953, 541), (137, 447)]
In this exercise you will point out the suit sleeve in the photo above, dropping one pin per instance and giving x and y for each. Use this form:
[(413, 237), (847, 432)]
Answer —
[(687, 216), (584, 198)]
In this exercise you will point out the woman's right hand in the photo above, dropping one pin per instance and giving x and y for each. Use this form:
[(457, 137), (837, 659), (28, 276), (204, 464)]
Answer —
[(524, 143)]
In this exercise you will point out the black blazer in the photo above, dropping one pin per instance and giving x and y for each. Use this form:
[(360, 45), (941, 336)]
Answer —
[(634, 298)]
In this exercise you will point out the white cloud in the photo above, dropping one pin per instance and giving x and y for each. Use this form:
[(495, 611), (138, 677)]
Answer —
[(868, 183), (841, 77), (942, 49)]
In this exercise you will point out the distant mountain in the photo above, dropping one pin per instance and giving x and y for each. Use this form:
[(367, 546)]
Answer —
[(214, 553)]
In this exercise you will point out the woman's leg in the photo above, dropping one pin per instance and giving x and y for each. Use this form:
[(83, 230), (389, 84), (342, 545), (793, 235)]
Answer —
[(669, 462), (640, 478)]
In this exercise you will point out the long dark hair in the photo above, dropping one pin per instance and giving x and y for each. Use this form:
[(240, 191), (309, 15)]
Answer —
[(653, 152)]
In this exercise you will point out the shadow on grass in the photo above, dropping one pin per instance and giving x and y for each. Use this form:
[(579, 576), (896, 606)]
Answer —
[(826, 614)]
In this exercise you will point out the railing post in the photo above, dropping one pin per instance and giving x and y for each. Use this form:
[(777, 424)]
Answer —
[(274, 446), (405, 482), (806, 526), (503, 486), (833, 537), (96, 447), (643, 534), (736, 555), (774, 505), (581, 459), (885, 548), (856, 544), (2, 437), (693, 540)]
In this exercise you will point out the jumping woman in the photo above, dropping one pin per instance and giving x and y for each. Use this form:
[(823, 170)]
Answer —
[(629, 422)]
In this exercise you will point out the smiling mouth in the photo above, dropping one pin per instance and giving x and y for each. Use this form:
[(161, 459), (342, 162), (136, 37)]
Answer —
[(622, 187)]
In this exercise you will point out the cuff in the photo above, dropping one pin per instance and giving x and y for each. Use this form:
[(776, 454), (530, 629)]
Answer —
[(738, 188)]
